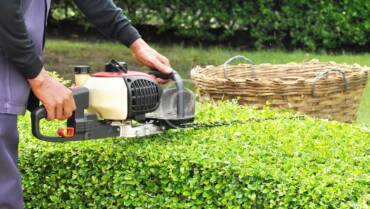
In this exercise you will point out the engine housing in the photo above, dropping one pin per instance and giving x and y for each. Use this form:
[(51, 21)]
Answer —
[(143, 96)]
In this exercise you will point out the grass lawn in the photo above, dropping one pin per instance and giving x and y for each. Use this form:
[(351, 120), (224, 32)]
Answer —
[(62, 55)]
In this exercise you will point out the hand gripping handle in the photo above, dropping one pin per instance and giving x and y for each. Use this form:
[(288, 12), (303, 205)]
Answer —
[(81, 96), (179, 85)]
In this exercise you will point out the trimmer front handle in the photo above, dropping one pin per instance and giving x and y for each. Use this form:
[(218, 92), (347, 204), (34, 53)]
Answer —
[(174, 76)]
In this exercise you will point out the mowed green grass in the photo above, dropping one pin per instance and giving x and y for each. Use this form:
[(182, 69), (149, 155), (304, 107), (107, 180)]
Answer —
[(62, 55)]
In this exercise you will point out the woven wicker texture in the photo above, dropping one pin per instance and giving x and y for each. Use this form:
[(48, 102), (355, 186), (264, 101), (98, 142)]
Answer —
[(319, 89)]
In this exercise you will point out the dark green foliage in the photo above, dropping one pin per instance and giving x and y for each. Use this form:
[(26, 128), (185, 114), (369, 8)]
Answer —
[(275, 164), (308, 24)]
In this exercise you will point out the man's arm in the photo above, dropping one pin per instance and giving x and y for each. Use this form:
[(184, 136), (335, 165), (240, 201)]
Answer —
[(109, 19), (20, 50), (14, 39)]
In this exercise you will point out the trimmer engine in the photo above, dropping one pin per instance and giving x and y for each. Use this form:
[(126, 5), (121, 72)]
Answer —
[(110, 103)]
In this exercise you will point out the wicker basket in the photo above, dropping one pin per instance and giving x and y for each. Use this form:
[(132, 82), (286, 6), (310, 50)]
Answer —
[(319, 89)]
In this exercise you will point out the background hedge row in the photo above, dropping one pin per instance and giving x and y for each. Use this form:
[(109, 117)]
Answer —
[(274, 164), (308, 24)]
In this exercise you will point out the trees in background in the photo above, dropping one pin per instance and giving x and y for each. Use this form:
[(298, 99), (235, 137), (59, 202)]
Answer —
[(307, 24)]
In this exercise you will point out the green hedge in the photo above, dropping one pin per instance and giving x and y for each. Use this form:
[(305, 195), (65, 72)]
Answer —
[(275, 164), (308, 24)]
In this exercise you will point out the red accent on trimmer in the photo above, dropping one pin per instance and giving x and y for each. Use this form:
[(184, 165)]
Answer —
[(66, 134), (119, 74)]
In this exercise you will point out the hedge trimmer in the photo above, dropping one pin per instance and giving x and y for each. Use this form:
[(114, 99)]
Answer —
[(122, 103)]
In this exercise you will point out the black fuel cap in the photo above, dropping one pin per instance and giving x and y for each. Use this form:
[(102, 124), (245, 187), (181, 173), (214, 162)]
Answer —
[(114, 66), (82, 69)]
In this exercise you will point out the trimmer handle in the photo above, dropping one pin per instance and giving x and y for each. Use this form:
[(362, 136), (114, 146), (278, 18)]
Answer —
[(36, 116), (81, 96), (159, 74), (81, 126), (179, 85)]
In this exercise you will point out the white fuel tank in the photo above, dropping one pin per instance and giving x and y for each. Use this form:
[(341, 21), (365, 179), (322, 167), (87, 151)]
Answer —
[(107, 97)]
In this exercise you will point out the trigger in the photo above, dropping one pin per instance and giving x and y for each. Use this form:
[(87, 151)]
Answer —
[(66, 134)]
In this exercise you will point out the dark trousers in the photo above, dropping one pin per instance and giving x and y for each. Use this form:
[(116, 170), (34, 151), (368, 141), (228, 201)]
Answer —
[(10, 180)]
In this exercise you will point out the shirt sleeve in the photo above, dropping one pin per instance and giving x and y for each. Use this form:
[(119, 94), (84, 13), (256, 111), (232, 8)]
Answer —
[(109, 19), (15, 42)]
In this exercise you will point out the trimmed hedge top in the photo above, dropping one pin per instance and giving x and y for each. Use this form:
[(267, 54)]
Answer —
[(272, 164)]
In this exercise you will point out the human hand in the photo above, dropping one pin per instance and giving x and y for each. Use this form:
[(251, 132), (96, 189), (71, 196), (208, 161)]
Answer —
[(57, 99), (151, 58)]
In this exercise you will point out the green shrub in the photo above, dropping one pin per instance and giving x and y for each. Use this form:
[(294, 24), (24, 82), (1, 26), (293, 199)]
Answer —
[(308, 24), (274, 164)]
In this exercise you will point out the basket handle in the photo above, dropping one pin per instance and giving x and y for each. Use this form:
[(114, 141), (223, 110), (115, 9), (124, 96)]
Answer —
[(325, 74), (236, 58)]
